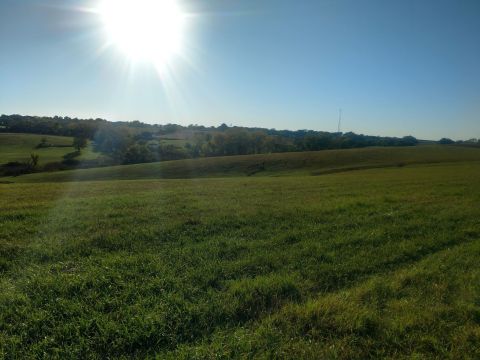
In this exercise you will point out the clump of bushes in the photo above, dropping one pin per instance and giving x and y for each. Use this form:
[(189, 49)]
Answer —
[(16, 168)]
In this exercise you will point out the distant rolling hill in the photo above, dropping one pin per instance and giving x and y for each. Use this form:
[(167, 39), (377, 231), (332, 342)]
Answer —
[(279, 164), (18, 147)]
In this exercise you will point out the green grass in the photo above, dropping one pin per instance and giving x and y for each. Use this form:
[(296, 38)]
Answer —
[(18, 147), (304, 163), (89, 154), (378, 263)]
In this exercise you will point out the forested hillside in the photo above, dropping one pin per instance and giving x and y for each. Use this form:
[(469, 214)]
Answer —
[(133, 142)]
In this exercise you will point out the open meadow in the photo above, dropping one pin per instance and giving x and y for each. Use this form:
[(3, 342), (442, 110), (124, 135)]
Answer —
[(18, 147), (381, 262), (277, 164)]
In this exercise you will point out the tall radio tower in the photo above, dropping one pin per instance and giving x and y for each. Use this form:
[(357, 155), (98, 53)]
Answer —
[(339, 120)]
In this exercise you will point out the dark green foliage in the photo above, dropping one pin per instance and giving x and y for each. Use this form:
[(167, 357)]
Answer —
[(79, 142), (43, 143), (57, 125), (446, 141), (138, 153), (33, 162), (16, 168), (136, 142), (113, 141)]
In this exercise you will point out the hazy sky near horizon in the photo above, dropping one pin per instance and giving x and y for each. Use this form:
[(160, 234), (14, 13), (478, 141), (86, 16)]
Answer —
[(394, 67)]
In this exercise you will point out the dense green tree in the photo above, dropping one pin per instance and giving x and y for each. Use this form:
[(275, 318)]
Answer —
[(79, 142), (446, 141)]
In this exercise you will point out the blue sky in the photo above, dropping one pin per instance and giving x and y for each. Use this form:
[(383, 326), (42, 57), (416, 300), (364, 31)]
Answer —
[(394, 67)]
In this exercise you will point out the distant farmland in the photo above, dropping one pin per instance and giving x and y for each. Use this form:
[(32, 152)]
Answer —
[(18, 147), (279, 164), (373, 263)]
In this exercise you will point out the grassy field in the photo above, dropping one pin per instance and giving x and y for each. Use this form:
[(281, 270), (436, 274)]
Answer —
[(302, 163), (375, 263), (18, 147)]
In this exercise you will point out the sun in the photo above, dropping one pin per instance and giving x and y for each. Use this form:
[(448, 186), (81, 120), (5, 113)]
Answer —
[(145, 30)]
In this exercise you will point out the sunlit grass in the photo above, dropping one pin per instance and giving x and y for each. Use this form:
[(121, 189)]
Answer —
[(377, 263), (18, 147), (279, 164)]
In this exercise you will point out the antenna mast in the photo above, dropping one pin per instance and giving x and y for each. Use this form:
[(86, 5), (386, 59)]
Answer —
[(339, 120)]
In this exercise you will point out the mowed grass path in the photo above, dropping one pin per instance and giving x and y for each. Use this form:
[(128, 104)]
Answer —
[(366, 264)]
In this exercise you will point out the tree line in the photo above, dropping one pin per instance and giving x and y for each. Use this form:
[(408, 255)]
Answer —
[(137, 142)]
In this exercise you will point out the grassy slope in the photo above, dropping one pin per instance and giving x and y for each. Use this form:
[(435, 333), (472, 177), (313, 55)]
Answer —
[(304, 163), (18, 147), (376, 263)]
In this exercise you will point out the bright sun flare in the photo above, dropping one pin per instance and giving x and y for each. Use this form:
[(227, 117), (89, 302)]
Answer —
[(146, 30)]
